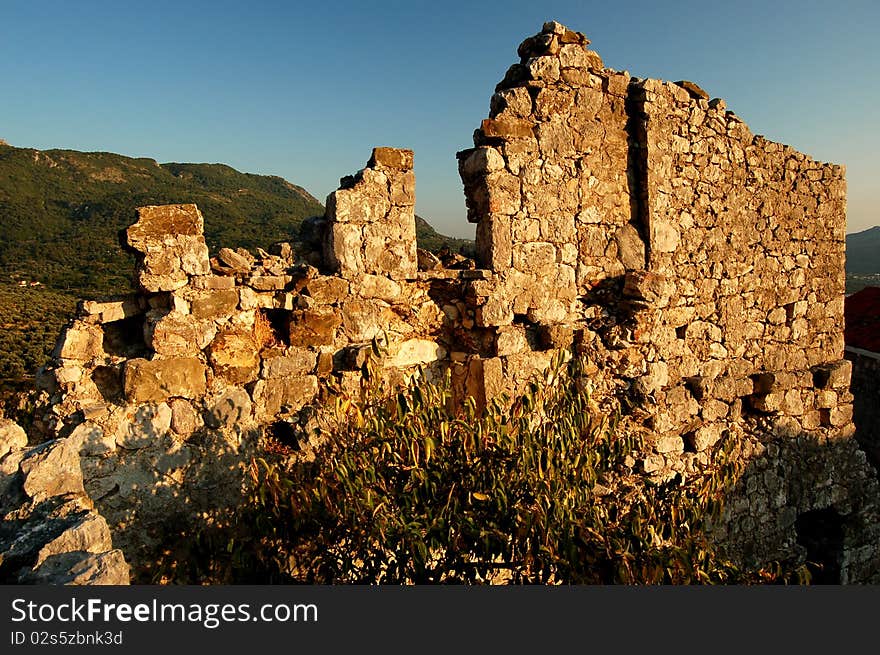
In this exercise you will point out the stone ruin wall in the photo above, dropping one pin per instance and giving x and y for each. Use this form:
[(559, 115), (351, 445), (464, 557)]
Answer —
[(702, 268), (699, 268), (866, 401)]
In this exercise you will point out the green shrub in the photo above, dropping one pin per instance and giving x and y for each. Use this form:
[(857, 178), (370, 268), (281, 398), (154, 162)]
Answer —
[(540, 490)]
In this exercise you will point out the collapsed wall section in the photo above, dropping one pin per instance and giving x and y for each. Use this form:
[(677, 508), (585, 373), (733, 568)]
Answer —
[(167, 393)]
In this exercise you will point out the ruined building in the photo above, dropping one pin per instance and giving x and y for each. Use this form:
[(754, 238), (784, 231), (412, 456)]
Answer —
[(698, 267)]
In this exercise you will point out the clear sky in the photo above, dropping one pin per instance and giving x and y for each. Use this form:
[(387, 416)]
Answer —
[(305, 90)]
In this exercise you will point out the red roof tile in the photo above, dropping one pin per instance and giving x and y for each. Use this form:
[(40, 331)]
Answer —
[(862, 314)]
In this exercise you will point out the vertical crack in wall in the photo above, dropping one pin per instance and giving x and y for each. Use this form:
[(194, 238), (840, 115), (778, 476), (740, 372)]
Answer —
[(637, 163)]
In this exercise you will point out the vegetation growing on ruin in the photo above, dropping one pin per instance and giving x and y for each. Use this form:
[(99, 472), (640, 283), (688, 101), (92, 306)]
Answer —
[(404, 490)]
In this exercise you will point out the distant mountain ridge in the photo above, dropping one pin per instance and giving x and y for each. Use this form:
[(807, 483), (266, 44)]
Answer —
[(863, 251), (61, 211)]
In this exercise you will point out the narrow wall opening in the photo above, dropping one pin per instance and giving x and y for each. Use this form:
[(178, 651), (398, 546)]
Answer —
[(821, 533), (125, 337)]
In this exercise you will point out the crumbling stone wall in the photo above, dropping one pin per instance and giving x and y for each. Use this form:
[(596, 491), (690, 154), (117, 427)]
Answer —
[(697, 267), (547, 183), (372, 221), (701, 268), (168, 392), (866, 400), (50, 532)]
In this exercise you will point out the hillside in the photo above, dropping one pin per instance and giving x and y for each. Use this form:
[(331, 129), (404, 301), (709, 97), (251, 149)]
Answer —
[(863, 259), (429, 239), (61, 212)]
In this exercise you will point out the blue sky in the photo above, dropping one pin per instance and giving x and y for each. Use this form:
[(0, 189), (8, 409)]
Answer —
[(305, 90)]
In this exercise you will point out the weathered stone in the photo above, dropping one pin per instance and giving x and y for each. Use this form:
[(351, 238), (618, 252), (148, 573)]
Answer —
[(156, 223), (179, 335), (12, 436), (289, 394), (184, 418), (92, 440), (82, 342), (427, 261), (705, 437), (649, 287), (90, 535), (414, 352), (268, 282), (214, 304), (214, 282), (230, 409), (378, 286), (327, 289), (234, 260), (481, 161), (693, 90), (234, 356), (510, 340), (325, 363), (392, 158), (669, 444), (157, 380), (114, 310), (314, 327), (835, 375), (147, 425), (362, 319), (664, 236), (81, 568), (173, 246), (295, 362), (656, 377), (555, 336), (507, 128), (630, 248), (52, 469)]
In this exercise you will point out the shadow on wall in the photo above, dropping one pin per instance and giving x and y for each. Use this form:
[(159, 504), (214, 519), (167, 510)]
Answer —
[(804, 498), (162, 498), (800, 499)]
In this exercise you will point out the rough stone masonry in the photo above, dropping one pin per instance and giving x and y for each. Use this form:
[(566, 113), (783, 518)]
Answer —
[(698, 267)]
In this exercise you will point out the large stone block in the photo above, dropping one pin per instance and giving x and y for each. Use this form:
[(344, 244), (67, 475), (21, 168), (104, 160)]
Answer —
[(52, 469), (12, 436), (146, 427), (414, 352), (363, 319), (294, 362), (235, 356), (156, 224), (396, 158), (494, 243), (160, 379), (214, 304), (80, 342), (179, 335), (314, 327), (231, 409), (288, 394), (170, 238)]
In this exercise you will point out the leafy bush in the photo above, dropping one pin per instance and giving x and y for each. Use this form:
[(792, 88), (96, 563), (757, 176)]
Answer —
[(405, 490)]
